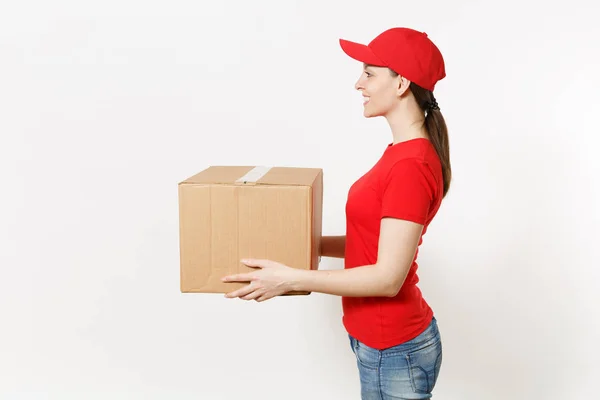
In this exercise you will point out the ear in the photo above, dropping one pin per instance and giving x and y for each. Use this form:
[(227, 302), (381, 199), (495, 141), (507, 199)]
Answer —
[(403, 85)]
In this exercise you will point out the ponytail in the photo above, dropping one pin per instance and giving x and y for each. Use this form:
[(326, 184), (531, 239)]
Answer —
[(436, 127)]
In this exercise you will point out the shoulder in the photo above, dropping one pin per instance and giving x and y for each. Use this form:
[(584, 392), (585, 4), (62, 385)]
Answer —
[(413, 176), (418, 156), (410, 169)]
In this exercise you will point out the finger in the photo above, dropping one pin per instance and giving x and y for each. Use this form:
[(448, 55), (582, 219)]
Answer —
[(241, 292), (254, 295), (264, 297), (238, 278)]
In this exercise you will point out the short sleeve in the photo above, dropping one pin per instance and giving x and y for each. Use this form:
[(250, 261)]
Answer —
[(407, 192)]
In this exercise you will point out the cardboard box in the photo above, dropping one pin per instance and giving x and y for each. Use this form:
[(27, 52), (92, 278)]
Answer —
[(227, 213)]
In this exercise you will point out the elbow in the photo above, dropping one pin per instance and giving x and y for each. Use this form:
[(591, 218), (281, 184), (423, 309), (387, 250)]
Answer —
[(390, 282), (392, 290), (392, 286)]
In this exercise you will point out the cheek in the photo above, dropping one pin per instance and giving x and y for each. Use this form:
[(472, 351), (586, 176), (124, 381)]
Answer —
[(386, 97), (378, 92), (382, 97)]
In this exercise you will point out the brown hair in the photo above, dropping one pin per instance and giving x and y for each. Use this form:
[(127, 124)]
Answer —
[(436, 127)]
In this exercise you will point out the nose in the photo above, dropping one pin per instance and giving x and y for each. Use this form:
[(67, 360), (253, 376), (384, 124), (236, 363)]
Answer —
[(359, 84)]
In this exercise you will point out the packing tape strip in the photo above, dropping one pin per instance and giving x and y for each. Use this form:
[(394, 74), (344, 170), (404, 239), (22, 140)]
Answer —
[(254, 174)]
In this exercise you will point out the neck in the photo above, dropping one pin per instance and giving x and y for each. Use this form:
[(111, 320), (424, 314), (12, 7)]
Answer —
[(407, 122)]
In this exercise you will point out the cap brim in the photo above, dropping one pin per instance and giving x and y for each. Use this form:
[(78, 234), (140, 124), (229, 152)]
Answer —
[(360, 52)]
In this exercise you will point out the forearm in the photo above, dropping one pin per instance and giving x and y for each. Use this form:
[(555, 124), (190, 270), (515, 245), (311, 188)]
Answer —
[(365, 281), (333, 246)]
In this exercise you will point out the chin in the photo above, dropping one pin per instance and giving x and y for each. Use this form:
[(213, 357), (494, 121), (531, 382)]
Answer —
[(370, 113)]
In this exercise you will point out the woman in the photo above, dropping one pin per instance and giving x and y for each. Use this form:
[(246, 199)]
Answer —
[(392, 330)]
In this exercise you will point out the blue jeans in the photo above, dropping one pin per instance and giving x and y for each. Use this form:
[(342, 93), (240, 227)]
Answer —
[(405, 371)]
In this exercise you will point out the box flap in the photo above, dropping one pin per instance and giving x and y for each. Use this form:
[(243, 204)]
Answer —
[(219, 175), (255, 175)]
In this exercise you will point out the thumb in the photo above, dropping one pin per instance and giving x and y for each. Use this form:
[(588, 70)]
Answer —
[(251, 262)]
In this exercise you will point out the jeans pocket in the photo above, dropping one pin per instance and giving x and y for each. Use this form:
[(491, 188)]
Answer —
[(424, 366)]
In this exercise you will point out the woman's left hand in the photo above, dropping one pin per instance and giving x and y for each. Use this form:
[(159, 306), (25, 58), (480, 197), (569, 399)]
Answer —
[(269, 280)]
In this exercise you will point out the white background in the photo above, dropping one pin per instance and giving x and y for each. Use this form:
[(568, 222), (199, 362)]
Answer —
[(106, 106)]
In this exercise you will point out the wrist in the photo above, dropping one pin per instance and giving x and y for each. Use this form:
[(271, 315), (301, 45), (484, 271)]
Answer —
[(297, 282)]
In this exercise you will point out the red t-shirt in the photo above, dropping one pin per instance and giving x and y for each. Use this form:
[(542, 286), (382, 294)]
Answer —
[(405, 183)]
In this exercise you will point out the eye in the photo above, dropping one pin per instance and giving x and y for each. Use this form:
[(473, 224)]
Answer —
[(368, 73)]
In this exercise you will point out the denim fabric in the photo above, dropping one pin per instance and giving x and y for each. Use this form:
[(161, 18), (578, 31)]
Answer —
[(406, 371)]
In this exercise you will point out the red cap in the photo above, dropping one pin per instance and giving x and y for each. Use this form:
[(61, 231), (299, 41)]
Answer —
[(405, 51)]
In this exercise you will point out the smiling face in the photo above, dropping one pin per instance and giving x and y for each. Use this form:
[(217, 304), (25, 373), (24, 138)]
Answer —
[(380, 90)]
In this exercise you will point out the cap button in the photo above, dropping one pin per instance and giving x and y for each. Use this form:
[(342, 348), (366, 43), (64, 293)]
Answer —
[(425, 34)]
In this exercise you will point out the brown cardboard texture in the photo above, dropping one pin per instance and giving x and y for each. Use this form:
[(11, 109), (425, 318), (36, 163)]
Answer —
[(227, 213)]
